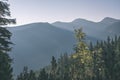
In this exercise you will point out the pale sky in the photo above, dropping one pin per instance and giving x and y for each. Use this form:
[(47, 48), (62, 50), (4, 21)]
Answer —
[(30, 11)]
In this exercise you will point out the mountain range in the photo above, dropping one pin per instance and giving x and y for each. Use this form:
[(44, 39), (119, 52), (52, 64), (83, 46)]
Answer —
[(36, 43), (94, 29)]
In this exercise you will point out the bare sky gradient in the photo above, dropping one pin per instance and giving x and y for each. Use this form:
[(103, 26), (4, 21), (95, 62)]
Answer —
[(29, 11)]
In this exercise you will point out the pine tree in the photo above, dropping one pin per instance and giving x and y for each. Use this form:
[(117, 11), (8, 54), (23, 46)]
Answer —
[(43, 75), (97, 62), (81, 59), (24, 75), (5, 60), (117, 60), (53, 68), (63, 72), (27, 75), (32, 75)]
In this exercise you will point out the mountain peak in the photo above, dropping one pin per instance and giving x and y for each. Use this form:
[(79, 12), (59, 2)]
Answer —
[(80, 20), (109, 20)]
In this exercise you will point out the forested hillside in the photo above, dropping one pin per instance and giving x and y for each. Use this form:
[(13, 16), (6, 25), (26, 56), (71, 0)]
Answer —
[(76, 50), (98, 62)]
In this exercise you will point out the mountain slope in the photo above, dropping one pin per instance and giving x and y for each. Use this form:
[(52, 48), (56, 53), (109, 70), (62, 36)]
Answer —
[(114, 28), (36, 43)]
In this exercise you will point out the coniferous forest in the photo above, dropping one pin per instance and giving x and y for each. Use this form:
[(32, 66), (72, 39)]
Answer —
[(100, 61), (89, 62)]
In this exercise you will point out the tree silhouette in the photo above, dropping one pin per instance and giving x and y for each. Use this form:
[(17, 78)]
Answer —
[(5, 60)]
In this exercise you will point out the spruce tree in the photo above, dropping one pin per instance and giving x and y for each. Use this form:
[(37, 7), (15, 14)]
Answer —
[(5, 60), (81, 59), (24, 75), (63, 72), (53, 68), (43, 75), (32, 75)]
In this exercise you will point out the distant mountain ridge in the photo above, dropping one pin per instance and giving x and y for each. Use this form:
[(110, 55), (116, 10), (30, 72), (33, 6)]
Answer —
[(89, 27), (38, 42), (109, 20)]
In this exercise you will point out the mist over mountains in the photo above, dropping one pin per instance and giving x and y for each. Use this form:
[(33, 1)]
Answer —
[(38, 42), (94, 29)]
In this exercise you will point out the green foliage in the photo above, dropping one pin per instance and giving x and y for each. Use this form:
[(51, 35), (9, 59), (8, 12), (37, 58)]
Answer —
[(53, 70), (93, 62), (63, 68), (27, 75), (5, 12), (5, 60), (81, 59), (43, 75)]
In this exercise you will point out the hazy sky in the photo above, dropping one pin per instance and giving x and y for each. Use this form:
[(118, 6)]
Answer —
[(29, 11)]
